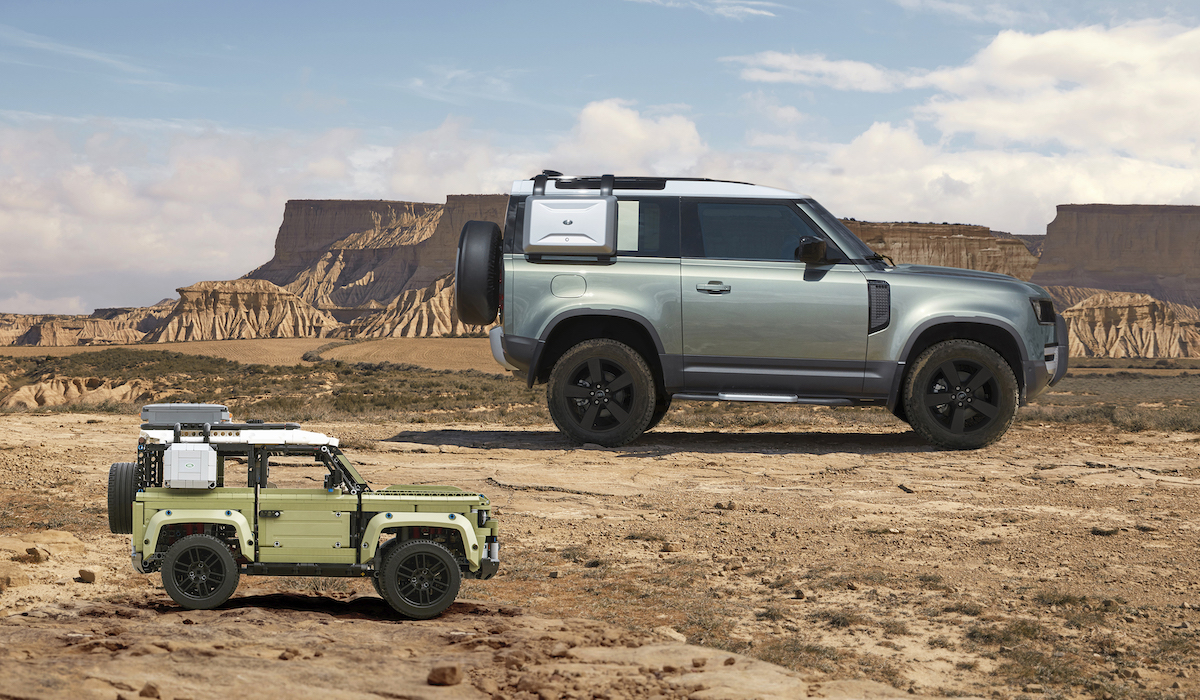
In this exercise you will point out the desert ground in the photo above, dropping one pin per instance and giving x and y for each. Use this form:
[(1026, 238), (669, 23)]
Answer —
[(834, 558)]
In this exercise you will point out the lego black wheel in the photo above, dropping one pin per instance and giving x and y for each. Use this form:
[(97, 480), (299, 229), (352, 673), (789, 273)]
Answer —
[(381, 556), (122, 489), (477, 273), (199, 572), (420, 579), (601, 391), (961, 395)]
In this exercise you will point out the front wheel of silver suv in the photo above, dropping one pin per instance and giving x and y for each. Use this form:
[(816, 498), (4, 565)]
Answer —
[(601, 391), (961, 395)]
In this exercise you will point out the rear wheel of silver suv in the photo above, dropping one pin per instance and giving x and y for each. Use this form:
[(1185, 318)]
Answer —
[(961, 395), (601, 391)]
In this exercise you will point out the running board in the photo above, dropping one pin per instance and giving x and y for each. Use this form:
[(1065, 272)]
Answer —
[(763, 398)]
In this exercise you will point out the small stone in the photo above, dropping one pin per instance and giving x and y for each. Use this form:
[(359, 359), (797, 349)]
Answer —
[(509, 610), (1034, 688), (560, 650), (699, 662), (672, 547), (671, 668), (670, 633), (446, 675), (37, 555), (555, 574), (488, 686), (89, 576), (729, 661), (150, 690), (800, 594), (851, 586), (289, 654), (1184, 673), (1176, 685)]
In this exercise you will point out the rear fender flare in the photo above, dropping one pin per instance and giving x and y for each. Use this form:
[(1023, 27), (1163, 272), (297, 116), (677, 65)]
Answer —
[(170, 516), (391, 520)]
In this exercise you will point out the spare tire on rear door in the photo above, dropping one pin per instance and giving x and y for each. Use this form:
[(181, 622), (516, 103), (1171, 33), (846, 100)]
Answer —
[(122, 489), (477, 273)]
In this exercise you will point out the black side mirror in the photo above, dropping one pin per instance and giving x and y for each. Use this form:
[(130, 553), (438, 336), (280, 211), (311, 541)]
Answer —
[(811, 250)]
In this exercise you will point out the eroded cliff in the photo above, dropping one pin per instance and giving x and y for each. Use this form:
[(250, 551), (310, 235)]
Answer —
[(948, 245), (1137, 248), (349, 257), (241, 309), (1121, 324)]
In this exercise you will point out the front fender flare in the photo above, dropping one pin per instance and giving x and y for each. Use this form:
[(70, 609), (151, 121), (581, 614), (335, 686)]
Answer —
[(171, 516), (390, 520)]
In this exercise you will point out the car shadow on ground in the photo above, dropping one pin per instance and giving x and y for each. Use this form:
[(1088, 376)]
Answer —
[(359, 607), (667, 441)]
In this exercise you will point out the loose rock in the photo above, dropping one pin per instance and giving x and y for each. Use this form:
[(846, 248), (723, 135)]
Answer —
[(87, 575), (446, 675)]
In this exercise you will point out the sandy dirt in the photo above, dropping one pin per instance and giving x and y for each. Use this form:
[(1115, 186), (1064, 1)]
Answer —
[(1059, 562)]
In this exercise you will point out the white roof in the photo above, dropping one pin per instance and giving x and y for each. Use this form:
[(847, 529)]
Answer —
[(242, 437), (684, 188)]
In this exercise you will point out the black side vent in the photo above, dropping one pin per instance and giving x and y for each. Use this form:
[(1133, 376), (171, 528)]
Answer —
[(879, 299)]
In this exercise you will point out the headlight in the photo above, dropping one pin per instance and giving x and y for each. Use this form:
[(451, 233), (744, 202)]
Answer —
[(1043, 309)]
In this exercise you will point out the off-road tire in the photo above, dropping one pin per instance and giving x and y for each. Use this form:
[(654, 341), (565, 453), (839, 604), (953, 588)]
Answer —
[(477, 273), (601, 391), (420, 579), (199, 572), (661, 406), (122, 489), (381, 556), (961, 395)]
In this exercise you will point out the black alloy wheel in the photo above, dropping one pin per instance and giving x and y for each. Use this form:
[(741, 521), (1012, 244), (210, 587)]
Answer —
[(961, 395), (420, 579), (601, 391), (199, 572)]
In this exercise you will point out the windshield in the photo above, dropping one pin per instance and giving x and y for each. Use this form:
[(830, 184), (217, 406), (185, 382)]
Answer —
[(852, 244)]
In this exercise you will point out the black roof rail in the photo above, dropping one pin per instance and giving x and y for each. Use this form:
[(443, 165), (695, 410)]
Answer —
[(573, 182)]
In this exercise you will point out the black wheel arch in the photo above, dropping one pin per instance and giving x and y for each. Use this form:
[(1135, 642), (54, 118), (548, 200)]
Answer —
[(570, 328), (995, 334)]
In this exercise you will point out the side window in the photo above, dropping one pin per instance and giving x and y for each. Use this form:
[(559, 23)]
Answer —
[(648, 227), (748, 231)]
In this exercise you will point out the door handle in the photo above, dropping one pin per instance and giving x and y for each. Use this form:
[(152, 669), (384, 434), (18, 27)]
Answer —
[(714, 287)]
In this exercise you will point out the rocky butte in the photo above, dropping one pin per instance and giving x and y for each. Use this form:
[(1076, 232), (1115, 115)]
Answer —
[(1137, 248), (349, 258)]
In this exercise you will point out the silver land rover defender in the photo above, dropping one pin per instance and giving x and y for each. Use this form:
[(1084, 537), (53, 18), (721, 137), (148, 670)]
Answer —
[(624, 294)]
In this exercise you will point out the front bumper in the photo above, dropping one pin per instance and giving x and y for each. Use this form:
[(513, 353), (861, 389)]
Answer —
[(1045, 372)]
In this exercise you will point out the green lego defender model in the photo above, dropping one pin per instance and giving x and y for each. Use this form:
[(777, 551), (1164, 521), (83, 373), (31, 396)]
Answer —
[(192, 520)]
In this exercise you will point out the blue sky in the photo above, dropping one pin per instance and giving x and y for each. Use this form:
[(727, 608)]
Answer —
[(146, 146)]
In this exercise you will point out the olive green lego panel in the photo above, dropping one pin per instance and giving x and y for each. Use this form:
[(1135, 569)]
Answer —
[(313, 526), (174, 516), (349, 467), (394, 519), (177, 505), (433, 500)]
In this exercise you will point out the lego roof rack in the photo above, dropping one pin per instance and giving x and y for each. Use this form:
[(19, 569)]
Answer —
[(249, 425)]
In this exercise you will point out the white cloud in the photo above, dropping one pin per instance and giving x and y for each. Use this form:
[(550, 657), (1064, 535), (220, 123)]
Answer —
[(23, 303), (16, 37), (1131, 89), (733, 9), (984, 11), (816, 69)]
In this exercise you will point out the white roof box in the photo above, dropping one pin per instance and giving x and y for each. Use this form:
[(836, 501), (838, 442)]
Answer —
[(571, 225)]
